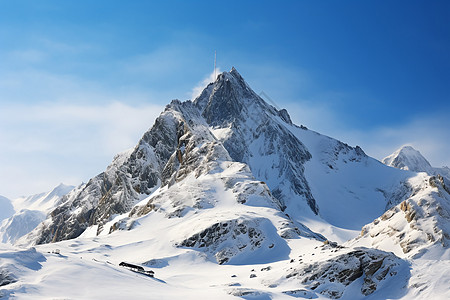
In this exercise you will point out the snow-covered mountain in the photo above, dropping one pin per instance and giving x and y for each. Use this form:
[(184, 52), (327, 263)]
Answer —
[(408, 158), (6, 208), (44, 201), (29, 212), (20, 224), (225, 197)]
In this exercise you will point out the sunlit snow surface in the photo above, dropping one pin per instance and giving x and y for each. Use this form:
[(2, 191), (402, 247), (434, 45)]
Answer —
[(88, 267)]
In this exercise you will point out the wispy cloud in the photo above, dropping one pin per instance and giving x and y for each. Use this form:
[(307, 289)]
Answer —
[(43, 145), (196, 91), (428, 133), (65, 123)]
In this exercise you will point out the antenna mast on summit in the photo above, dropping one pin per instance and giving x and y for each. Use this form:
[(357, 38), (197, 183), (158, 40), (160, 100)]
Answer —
[(215, 58)]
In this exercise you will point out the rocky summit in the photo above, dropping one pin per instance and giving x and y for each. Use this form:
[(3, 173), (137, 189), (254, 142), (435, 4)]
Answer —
[(224, 197)]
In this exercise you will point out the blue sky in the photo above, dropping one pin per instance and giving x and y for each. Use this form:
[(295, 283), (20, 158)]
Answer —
[(82, 80)]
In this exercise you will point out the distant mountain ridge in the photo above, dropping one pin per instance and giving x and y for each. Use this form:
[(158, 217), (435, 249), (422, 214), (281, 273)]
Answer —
[(408, 158), (29, 212), (42, 201)]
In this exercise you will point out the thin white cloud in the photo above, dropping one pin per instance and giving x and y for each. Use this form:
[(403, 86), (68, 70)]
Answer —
[(43, 145), (197, 90)]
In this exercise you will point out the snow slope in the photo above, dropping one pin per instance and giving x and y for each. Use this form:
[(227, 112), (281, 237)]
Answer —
[(6, 208), (20, 224), (88, 268)]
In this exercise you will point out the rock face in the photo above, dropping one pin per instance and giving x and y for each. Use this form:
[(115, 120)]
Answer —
[(332, 276), (216, 238), (6, 277), (201, 176), (169, 151)]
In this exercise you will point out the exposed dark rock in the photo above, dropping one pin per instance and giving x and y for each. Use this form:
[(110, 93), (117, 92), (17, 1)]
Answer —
[(301, 293), (244, 292), (284, 115), (6, 277), (330, 277), (420, 220), (242, 231), (123, 224)]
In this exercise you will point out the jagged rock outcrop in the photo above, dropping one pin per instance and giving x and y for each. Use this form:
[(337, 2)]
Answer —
[(201, 175), (417, 222), (6, 277), (238, 234), (330, 277)]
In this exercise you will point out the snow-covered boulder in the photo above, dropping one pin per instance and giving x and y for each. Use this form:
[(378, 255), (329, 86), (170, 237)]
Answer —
[(368, 268)]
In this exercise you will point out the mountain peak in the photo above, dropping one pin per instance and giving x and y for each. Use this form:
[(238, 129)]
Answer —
[(228, 99), (408, 158)]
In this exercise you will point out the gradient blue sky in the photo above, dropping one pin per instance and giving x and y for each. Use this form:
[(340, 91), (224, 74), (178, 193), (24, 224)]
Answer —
[(82, 80)]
